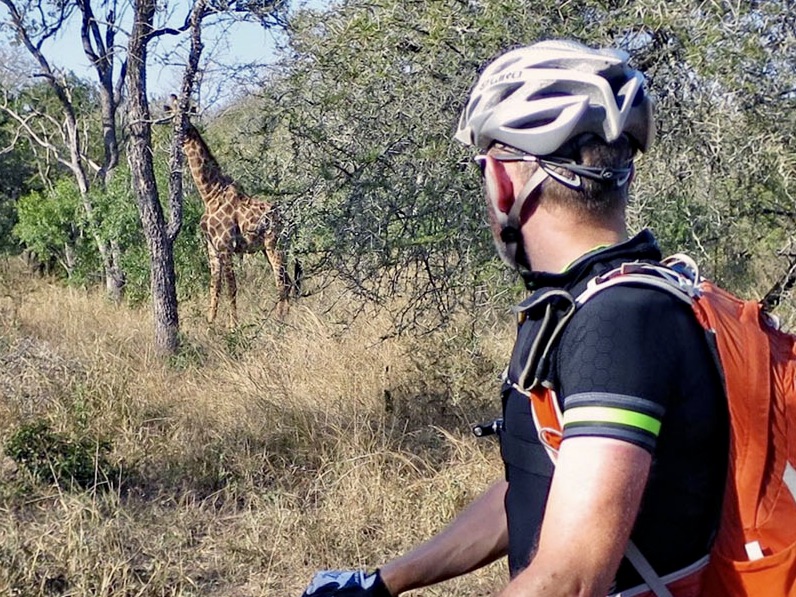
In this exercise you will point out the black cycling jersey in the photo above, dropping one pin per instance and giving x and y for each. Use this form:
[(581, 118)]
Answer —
[(632, 364)]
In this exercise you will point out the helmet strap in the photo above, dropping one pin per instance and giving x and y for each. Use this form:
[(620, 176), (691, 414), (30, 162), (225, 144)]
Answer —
[(536, 180), (512, 238), (511, 227)]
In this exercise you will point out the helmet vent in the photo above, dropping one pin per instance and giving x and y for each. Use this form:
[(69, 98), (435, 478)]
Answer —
[(532, 123), (506, 93)]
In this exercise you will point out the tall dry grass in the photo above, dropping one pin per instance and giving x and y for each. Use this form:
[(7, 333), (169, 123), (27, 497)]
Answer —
[(247, 462)]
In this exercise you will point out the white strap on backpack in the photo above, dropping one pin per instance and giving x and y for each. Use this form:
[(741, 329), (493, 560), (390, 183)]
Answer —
[(645, 570), (678, 275)]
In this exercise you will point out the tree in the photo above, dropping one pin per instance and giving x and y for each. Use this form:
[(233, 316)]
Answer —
[(47, 223), (719, 182), (367, 99), (33, 23), (370, 93), (16, 164), (164, 296)]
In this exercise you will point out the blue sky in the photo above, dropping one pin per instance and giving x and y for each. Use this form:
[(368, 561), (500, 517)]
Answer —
[(228, 45)]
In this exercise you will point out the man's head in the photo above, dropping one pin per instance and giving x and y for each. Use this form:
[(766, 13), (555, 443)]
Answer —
[(573, 117)]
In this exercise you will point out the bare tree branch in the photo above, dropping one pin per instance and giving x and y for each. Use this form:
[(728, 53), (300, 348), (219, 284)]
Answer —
[(22, 34), (774, 297), (89, 29), (180, 121), (65, 10), (24, 124)]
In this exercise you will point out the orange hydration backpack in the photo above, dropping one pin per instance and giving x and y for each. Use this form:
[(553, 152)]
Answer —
[(754, 554)]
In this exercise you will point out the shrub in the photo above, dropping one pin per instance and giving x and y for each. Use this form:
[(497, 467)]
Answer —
[(53, 457)]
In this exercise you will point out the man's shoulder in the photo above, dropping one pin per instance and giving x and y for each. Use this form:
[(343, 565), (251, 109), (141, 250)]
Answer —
[(617, 334)]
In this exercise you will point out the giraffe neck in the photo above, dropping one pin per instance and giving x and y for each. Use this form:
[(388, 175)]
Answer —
[(206, 172)]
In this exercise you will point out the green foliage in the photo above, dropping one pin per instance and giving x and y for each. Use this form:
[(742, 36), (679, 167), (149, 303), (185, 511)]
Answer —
[(370, 95), (189, 251), (369, 101), (8, 218), (49, 223), (54, 226), (241, 340), (719, 182), (52, 457), (44, 112), (16, 164), (190, 254), (191, 355)]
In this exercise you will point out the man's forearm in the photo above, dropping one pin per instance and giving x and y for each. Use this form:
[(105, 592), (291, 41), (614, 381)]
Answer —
[(475, 538)]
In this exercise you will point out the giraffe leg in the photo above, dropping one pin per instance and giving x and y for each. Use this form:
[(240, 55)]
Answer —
[(298, 275), (283, 283), (216, 268), (232, 290)]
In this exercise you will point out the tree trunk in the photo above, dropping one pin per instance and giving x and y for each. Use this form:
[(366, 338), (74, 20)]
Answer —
[(161, 250), (114, 276)]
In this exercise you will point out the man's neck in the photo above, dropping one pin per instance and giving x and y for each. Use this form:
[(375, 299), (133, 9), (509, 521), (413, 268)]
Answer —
[(555, 238)]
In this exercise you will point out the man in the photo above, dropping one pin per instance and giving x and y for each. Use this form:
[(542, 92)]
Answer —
[(641, 465)]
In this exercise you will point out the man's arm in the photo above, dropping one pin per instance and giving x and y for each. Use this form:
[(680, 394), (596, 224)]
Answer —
[(475, 538), (594, 499)]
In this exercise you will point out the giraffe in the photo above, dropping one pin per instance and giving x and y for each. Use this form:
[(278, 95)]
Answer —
[(233, 223)]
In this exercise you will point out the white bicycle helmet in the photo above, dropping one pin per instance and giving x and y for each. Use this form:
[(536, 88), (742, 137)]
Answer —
[(537, 98)]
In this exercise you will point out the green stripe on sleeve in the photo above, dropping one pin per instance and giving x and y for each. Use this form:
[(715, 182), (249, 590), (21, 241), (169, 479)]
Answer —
[(607, 414)]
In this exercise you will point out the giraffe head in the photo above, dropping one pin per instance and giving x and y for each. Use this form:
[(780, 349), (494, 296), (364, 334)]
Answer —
[(172, 114), (172, 109), (210, 180)]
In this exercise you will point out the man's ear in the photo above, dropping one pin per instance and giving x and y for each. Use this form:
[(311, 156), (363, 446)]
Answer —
[(499, 187)]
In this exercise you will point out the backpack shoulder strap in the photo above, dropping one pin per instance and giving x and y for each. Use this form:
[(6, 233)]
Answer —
[(677, 275)]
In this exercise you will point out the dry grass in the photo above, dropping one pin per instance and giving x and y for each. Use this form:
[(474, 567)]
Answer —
[(240, 467)]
